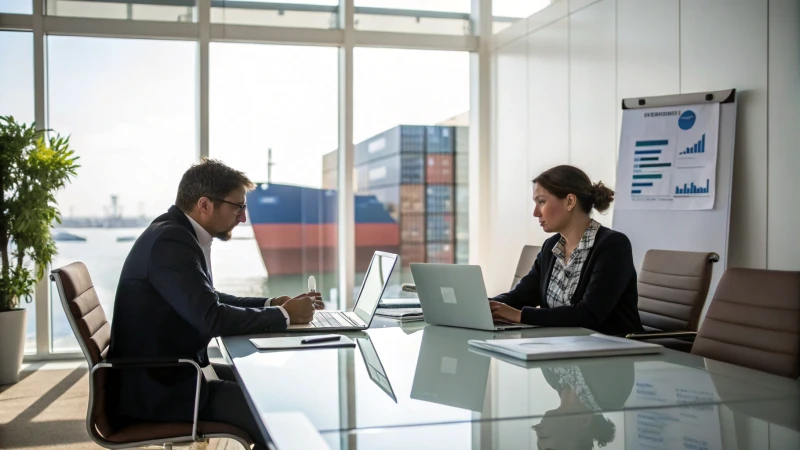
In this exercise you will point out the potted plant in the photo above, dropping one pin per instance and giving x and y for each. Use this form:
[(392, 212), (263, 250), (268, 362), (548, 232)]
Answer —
[(33, 167)]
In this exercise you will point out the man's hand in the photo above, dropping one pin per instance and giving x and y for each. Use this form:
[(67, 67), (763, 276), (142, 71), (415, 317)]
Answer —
[(315, 296), (279, 301), (501, 311), (300, 310)]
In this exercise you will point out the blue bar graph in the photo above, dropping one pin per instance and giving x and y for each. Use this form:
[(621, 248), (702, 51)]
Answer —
[(699, 147), (693, 188), (651, 143), (647, 152), (642, 184), (636, 191)]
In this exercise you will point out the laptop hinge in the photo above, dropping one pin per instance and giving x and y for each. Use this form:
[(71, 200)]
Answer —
[(355, 319)]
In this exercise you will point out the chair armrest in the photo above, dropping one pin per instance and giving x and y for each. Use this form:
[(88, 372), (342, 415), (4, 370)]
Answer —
[(662, 335), (150, 363), (144, 363)]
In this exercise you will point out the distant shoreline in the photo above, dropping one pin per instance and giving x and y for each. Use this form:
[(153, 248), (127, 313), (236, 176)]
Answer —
[(98, 224)]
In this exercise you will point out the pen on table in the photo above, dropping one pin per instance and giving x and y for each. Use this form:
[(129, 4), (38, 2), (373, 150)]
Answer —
[(317, 340)]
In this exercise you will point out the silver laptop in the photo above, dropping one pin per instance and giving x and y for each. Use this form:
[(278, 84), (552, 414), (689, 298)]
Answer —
[(375, 281), (455, 295)]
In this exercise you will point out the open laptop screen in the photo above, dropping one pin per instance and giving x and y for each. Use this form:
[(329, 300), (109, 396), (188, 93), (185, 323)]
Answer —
[(380, 269)]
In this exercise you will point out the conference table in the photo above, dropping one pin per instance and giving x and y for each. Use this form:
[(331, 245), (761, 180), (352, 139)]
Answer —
[(419, 386)]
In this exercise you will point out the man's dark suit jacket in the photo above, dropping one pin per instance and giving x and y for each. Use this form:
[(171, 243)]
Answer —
[(605, 300), (166, 306)]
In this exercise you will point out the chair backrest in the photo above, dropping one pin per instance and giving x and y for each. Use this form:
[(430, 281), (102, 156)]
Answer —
[(673, 287), (754, 321), (526, 260), (92, 330)]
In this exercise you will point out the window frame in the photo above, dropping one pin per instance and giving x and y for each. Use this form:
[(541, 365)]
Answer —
[(346, 37)]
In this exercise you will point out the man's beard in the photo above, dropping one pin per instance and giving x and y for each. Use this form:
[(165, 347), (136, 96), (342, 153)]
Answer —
[(224, 235)]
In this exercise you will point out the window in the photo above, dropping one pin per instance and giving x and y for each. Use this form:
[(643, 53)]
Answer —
[(274, 114), (129, 109), (414, 16), (411, 130), (16, 6), (282, 13), (155, 10), (16, 99), (16, 78)]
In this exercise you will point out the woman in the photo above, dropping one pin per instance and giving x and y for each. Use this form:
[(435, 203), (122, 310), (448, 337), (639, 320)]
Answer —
[(584, 275)]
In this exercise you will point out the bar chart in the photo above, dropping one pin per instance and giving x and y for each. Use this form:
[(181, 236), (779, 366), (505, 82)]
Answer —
[(699, 147), (691, 188), (652, 165)]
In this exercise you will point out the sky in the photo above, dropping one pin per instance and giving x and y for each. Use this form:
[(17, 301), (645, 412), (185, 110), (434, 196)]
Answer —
[(130, 106)]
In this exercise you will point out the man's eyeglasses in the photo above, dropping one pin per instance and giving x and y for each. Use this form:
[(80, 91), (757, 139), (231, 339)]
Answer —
[(242, 206)]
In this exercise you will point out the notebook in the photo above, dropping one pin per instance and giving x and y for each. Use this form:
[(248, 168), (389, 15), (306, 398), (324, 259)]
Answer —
[(293, 343), (566, 347)]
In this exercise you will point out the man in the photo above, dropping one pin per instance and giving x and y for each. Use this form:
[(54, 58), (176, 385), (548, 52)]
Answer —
[(166, 306)]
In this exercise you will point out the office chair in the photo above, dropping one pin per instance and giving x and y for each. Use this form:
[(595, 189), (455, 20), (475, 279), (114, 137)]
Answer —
[(93, 332), (673, 287), (754, 321), (526, 260)]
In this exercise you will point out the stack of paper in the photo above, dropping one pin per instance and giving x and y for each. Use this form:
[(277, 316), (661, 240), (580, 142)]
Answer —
[(401, 314), (564, 347)]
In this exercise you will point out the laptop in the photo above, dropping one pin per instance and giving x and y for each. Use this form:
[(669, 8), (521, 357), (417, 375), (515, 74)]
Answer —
[(374, 367), (455, 295), (360, 317), (447, 372)]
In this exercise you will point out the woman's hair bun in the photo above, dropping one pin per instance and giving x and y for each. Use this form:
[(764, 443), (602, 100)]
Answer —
[(603, 196)]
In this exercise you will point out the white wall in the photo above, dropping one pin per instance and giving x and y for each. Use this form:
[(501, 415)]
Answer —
[(582, 57)]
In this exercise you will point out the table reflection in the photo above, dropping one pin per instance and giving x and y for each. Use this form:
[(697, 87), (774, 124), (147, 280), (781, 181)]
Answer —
[(584, 393), (449, 374)]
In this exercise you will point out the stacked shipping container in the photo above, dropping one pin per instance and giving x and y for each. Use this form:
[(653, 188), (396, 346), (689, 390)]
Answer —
[(419, 174)]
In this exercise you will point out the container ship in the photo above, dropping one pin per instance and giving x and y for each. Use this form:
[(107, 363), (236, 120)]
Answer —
[(410, 198), (296, 227)]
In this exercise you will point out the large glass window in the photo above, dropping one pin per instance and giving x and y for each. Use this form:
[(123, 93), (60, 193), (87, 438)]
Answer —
[(129, 109), (283, 13), (156, 10), (414, 16), (16, 99), (274, 114), (410, 130)]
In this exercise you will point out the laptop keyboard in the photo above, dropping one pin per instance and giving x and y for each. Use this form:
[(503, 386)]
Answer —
[(331, 319)]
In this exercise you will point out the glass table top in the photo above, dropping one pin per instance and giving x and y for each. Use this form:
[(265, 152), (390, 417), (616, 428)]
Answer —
[(422, 375), (712, 427)]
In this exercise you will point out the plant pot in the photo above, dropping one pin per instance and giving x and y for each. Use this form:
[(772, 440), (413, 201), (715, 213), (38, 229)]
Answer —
[(12, 344)]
